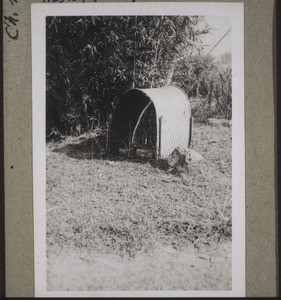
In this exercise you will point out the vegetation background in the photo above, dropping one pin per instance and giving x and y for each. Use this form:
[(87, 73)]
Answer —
[(91, 61)]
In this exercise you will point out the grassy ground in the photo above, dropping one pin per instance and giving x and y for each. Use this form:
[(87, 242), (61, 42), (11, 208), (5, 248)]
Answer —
[(126, 225)]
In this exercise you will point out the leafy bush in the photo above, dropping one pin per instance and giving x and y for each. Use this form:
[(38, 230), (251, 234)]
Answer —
[(91, 61), (207, 85)]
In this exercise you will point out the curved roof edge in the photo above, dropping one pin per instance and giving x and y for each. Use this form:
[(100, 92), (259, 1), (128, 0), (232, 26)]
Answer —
[(146, 91)]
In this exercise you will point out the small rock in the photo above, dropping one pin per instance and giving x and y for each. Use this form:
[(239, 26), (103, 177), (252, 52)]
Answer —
[(193, 155), (182, 156), (177, 158)]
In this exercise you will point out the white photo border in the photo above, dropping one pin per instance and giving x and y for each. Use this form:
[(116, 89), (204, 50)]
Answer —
[(234, 11)]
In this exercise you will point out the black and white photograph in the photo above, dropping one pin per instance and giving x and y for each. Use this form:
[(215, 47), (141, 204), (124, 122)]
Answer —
[(138, 141)]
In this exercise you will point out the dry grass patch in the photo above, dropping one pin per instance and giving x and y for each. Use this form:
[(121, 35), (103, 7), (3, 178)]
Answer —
[(126, 208)]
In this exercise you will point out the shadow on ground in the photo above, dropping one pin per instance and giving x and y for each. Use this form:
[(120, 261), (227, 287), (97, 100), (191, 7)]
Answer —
[(84, 148), (93, 148)]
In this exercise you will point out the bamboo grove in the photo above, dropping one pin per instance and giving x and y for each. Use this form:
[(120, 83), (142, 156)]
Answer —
[(91, 61)]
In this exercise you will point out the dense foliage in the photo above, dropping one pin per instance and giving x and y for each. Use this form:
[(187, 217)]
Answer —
[(91, 61), (208, 85)]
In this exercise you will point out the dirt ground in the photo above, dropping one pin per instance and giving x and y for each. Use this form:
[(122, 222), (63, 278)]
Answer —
[(128, 225), (162, 269)]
